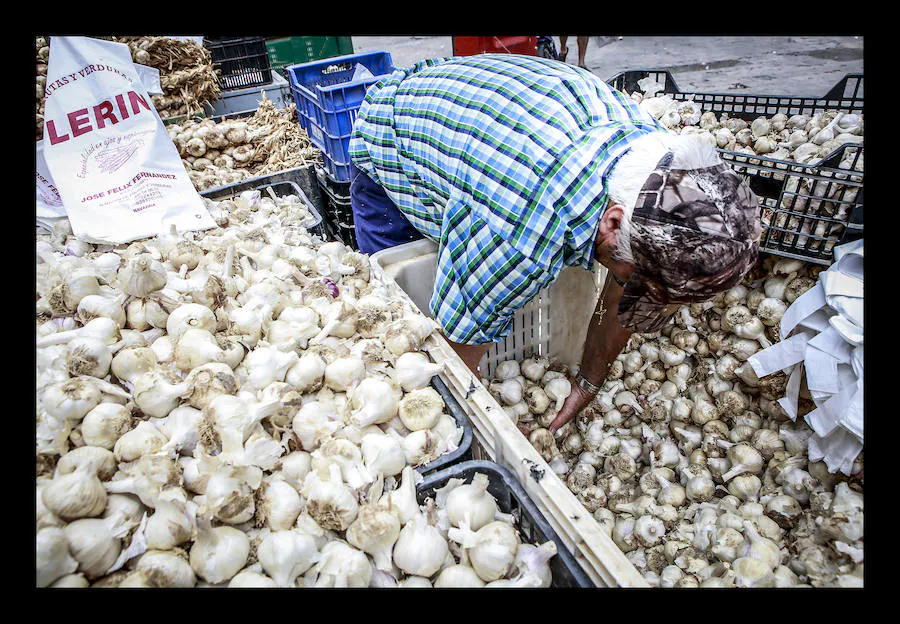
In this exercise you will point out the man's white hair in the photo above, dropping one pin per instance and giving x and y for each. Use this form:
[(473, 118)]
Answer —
[(634, 167)]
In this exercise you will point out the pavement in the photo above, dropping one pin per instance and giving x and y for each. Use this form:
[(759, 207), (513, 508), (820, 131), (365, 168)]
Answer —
[(780, 65)]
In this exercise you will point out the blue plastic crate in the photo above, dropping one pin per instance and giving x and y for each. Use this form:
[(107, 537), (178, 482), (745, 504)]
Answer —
[(327, 100), (327, 82), (335, 150)]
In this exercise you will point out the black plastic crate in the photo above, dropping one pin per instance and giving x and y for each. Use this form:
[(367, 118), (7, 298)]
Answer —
[(242, 62), (338, 214), (280, 189), (512, 499), (462, 452), (807, 209)]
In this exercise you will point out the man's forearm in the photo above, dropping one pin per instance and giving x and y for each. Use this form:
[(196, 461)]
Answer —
[(605, 336), (470, 354)]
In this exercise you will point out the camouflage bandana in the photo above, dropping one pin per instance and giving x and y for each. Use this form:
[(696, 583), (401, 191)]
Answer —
[(694, 233)]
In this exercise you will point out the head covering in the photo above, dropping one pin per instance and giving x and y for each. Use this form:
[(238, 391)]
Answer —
[(694, 233)]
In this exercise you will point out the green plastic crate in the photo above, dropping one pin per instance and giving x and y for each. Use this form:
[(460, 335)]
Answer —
[(292, 50)]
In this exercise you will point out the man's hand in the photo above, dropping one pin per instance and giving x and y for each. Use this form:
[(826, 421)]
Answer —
[(574, 403)]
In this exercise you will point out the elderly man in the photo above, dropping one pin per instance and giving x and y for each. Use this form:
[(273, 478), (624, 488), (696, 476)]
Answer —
[(518, 167)]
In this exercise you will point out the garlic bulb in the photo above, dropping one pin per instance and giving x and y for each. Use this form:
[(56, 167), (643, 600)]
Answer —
[(171, 524), (344, 373), (131, 362), (557, 390), (157, 393), (415, 371), (421, 409), (196, 347), (52, 557), (218, 553), (142, 440), (307, 374), (92, 306), (189, 316), (531, 563), (374, 402), (407, 334), (420, 549), (95, 543), (294, 468), (78, 494), (471, 503), (71, 580), (129, 506), (267, 365), (70, 400), (141, 276), (157, 568), (88, 356), (340, 565), (382, 454), (146, 478), (248, 578), (101, 461), (491, 550), (402, 501), (278, 505), (458, 576), (330, 503), (286, 554), (374, 531)]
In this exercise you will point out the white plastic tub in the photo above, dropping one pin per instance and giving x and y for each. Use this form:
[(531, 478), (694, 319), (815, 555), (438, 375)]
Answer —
[(554, 324)]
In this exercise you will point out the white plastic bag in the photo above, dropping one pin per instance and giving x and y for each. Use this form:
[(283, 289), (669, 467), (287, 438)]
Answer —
[(117, 171)]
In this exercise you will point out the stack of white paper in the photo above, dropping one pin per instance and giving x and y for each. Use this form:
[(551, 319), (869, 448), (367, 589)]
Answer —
[(823, 338)]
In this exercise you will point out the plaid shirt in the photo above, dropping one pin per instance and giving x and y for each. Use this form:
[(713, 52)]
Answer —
[(501, 160)]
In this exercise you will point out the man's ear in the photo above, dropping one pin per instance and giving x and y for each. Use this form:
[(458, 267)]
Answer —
[(610, 223)]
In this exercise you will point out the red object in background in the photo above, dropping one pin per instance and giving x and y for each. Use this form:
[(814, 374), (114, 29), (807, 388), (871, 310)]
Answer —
[(467, 46)]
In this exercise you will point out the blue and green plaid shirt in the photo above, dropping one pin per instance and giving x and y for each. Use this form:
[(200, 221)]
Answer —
[(501, 159)]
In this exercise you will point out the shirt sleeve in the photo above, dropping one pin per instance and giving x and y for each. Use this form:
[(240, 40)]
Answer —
[(481, 281)]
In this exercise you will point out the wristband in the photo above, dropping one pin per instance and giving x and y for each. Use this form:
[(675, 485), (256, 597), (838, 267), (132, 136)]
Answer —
[(586, 385), (618, 281)]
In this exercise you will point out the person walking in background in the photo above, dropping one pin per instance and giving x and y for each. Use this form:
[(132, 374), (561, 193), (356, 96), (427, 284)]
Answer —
[(582, 49)]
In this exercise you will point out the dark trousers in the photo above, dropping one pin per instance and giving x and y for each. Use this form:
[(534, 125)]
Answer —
[(379, 223)]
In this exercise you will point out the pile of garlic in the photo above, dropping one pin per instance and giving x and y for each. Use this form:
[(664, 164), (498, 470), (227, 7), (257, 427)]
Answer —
[(236, 149), (686, 458), (805, 139), (460, 538), (186, 72), (42, 54), (217, 407)]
